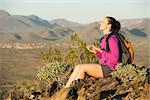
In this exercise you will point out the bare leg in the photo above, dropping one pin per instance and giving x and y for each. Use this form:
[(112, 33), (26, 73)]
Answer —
[(74, 75), (94, 70)]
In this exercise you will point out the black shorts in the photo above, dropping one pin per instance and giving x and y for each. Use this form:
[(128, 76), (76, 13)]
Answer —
[(106, 70)]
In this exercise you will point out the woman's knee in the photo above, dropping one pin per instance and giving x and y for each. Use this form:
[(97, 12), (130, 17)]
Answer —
[(81, 72), (79, 67)]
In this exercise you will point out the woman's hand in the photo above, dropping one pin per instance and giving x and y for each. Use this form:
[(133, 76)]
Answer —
[(93, 49)]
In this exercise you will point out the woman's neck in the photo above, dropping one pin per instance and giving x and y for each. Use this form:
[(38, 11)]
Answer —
[(106, 32)]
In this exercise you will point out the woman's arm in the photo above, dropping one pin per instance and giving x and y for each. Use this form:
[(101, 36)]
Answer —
[(113, 55)]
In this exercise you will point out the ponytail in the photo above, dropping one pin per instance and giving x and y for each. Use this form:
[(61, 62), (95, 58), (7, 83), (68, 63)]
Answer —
[(117, 26)]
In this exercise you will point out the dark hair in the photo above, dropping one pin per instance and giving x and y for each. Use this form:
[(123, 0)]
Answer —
[(118, 26), (115, 25)]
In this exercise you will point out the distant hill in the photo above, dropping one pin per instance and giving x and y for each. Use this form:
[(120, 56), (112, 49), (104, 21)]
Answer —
[(17, 23), (65, 23), (87, 33), (3, 13), (141, 24), (28, 28)]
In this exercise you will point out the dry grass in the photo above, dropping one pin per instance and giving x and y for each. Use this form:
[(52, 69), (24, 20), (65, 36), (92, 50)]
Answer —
[(18, 65)]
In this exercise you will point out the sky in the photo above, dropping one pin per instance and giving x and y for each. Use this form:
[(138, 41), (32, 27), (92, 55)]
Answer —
[(82, 11)]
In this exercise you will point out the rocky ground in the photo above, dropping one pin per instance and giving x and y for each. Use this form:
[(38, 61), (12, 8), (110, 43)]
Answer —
[(132, 83)]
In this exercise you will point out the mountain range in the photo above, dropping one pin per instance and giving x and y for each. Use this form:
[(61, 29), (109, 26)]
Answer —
[(19, 28)]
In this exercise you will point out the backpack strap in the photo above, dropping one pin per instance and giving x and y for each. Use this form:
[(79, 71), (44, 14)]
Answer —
[(101, 38), (107, 44)]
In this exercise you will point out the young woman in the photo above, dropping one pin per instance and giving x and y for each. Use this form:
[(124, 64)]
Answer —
[(108, 60)]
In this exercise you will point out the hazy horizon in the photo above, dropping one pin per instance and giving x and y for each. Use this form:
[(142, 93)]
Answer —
[(81, 11)]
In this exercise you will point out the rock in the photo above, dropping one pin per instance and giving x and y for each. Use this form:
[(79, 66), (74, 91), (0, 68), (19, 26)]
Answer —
[(61, 94)]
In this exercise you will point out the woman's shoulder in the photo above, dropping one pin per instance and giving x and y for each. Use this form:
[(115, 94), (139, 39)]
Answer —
[(113, 38)]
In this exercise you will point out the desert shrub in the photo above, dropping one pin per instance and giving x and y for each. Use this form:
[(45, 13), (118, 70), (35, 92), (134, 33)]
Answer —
[(56, 71), (52, 55), (76, 53), (82, 55), (131, 78)]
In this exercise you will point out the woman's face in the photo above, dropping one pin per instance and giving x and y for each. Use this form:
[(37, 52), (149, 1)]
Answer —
[(105, 26)]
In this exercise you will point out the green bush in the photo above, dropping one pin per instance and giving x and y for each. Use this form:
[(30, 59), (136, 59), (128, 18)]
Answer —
[(55, 71), (131, 76), (52, 55)]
